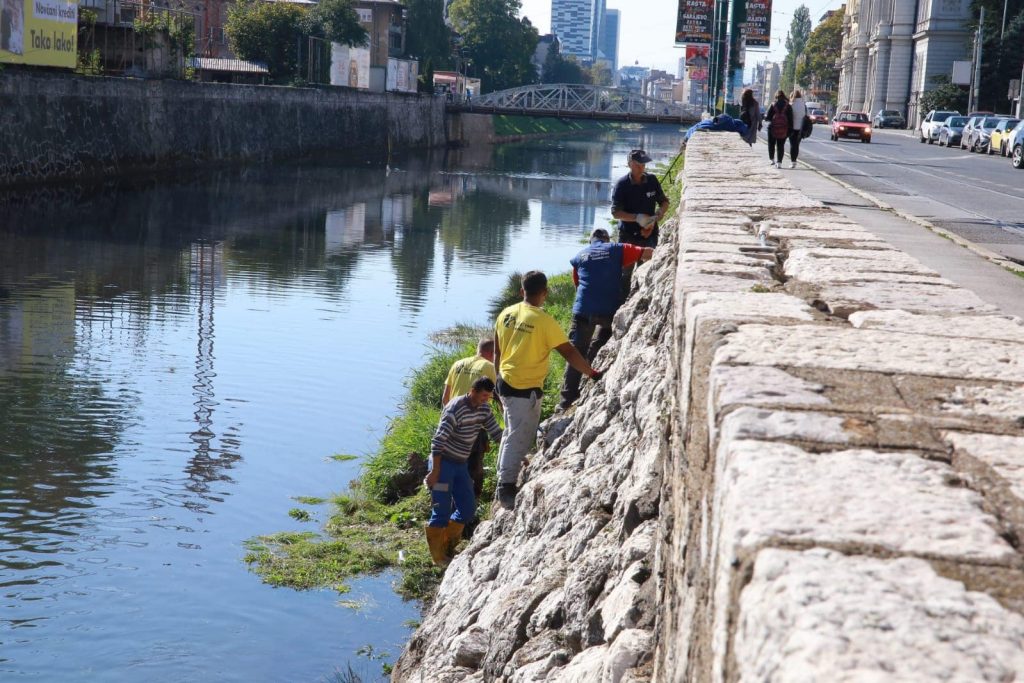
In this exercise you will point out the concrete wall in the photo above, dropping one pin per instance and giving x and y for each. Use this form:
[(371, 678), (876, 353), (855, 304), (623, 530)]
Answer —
[(57, 126), (802, 463)]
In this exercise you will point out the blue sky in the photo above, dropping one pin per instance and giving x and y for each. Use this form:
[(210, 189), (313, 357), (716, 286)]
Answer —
[(648, 28)]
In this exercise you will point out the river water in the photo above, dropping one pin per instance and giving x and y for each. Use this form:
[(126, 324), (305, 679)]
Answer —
[(180, 357)]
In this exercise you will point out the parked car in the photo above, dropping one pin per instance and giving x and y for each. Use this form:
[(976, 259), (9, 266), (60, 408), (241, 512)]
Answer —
[(889, 118), (1012, 138), (1000, 134), (1017, 153), (972, 123), (818, 116), (981, 113), (978, 139), (851, 124), (929, 129), (950, 130)]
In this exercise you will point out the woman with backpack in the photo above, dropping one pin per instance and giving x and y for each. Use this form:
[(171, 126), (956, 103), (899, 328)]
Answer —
[(796, 131), (750, 114), (780, 122)]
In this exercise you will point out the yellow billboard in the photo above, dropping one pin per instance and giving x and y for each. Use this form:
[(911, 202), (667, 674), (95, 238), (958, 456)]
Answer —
[(40, 32)]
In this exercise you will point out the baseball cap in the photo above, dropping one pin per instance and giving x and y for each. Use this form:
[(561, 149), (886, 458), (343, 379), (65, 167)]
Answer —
[(600, 234), (639, 156)]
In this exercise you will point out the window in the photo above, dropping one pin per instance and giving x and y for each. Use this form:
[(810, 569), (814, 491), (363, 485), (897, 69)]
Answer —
[(365, 16)]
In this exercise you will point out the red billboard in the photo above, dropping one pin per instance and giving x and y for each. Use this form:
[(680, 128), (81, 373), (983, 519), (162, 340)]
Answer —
[(695, 22), (697, 60)]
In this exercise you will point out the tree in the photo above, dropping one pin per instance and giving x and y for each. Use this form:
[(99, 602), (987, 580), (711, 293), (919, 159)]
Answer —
[(600, 74), (1000, 61), (561, 69), (819, 69), (336, 21), (796, 40), (944, 96), (267, 32), (499, 43), (427, 38)]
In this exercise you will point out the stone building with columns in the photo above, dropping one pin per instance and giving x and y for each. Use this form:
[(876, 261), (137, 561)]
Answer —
[(893, 48)]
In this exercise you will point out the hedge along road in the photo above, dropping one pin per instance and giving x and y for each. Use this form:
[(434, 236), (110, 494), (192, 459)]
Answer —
[(180, 358), (978, 197)]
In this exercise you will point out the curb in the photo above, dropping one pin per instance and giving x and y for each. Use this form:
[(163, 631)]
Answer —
[(988, 255)]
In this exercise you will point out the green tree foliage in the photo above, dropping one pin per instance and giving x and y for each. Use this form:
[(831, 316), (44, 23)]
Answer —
[(600, 74), (944, 96), (336, 21), (818, 70), (271, 32), (796, 41), (498, 42), (561, 69), (426, 36), (1000, 59)]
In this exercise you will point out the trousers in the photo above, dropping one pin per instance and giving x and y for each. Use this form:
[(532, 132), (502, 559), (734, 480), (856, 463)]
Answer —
[(522, 415), (455, 484), (581, 334)]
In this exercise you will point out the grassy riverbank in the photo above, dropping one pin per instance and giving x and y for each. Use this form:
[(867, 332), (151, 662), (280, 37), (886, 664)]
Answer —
[(377, 524), (511, 125)]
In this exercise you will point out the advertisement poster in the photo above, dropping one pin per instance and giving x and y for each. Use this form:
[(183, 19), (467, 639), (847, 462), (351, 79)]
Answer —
[(759, 23), (402, 75), (350, 66), (695, 22), (39, 32), (697, 60)]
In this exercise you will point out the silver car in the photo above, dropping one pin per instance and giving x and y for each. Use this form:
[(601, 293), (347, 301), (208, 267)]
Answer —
[(951, 130)]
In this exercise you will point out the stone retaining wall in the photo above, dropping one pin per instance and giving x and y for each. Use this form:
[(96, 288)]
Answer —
[(63, 127), (806, 462)]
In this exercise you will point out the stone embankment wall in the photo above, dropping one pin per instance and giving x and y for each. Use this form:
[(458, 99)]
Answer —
[(805, 463), (65, 127)]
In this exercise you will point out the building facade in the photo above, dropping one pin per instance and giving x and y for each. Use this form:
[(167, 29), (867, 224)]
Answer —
[(609, 44), (577, 23), (892, 49)]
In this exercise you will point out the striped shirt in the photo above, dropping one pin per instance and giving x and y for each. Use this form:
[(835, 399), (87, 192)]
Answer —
[(459, 426)]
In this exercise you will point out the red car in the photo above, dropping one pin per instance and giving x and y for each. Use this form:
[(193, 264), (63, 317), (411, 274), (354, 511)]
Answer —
[(818, 116), (851, 124)]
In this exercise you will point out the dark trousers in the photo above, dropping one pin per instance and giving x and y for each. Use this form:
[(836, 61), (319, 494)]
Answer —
[(794, 145), (636, 240), (776, 147), (581, 334)]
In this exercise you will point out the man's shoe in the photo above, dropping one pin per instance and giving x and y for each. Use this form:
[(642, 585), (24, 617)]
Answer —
[(506, 496)]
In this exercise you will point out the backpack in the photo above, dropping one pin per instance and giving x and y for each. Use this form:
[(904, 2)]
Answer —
[(807, 128), (779, 126)]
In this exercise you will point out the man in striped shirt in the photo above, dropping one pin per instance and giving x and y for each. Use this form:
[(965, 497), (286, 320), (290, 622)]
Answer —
[(449, 477)]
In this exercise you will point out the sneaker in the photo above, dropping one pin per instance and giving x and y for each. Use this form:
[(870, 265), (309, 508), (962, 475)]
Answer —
[(771, 162), (506, 496), (792, 164)]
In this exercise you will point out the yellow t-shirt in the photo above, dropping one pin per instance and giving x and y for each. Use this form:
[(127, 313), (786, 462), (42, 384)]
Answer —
[(526, 335), (466, 371)]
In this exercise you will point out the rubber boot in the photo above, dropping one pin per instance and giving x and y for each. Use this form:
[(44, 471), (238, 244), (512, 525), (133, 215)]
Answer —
[(437, 542), (453, 537)]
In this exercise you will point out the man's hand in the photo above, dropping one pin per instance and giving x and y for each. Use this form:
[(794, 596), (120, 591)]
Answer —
[(643, 220), (646, 232), (598, 374), (432, 478)]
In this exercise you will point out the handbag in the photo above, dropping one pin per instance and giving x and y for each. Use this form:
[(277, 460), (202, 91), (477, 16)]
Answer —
[(806, 128)]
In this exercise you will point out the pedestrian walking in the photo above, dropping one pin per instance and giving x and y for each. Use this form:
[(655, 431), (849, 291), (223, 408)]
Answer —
[(597, 272), (796, 133), (750, 114), (524, 337), (780, 123), (448, 479), (460, 378)]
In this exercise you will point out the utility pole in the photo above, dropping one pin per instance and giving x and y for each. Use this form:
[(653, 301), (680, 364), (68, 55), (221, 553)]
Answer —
[(976, 86)]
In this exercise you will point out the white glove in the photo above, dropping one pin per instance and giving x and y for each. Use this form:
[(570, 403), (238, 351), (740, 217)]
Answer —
[(643, 220)]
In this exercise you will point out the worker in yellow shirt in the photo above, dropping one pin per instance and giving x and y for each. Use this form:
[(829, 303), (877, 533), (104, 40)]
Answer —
[(524, 337), (460, 380)]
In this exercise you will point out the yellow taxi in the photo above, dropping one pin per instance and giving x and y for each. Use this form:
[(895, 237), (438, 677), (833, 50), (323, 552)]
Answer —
[(1001, 136)]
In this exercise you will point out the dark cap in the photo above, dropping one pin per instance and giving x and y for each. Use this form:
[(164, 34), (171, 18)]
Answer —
[(639, 156), (600, 234)]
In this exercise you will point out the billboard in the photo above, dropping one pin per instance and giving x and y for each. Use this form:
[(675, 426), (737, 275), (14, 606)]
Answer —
[(758, 32), (39, 32), (402, 75), (695, 22), (350, 66), (697, 61)]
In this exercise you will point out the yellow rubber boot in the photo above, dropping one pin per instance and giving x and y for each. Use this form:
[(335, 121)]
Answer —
[(453, 537), (437, 541)]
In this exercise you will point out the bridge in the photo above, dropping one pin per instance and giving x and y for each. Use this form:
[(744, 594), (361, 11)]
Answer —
[(580, 102)]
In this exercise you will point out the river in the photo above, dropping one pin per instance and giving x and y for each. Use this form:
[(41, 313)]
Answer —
[(180, 357)]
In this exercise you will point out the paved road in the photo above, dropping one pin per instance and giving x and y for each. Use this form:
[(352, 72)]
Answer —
[(978, 197)]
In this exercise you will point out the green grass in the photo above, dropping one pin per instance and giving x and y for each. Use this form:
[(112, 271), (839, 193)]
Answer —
[(509, 125), (344, 457)]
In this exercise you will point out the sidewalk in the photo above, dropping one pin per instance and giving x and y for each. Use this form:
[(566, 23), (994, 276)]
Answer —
[(993, 284)]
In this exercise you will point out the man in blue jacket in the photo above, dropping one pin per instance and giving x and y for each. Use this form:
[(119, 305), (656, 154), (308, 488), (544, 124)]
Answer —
[(597, 272)]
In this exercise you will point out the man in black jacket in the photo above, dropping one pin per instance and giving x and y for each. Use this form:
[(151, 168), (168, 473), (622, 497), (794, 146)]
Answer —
[(639, 203)]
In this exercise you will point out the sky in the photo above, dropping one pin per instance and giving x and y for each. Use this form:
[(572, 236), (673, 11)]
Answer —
[(647, 32)]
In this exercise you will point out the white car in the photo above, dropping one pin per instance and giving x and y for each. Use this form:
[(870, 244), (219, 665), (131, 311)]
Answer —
[(929, 130)]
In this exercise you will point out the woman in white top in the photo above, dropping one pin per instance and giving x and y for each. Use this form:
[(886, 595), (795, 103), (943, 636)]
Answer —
[(795, 133)]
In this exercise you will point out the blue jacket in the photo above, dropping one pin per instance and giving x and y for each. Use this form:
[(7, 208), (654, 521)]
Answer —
[(722, 122), (599, 268)]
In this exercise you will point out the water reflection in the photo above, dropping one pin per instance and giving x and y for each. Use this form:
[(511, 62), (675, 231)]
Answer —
[(179, 355)]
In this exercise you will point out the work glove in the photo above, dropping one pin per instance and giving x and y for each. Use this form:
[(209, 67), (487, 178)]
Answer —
[(643, 220), (597, 375)]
